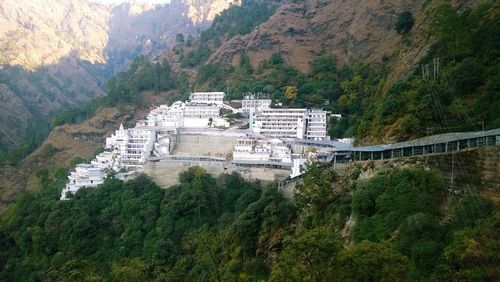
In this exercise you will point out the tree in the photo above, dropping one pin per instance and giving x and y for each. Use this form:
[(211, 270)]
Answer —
[(291, 93), (179, 38), (129, 270), (369, 261), (189, 41), (75, 270), (309, 255), (405, 22)]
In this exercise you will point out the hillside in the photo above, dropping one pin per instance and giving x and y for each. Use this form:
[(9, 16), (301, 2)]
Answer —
[(356, 61), (302, 31), (384, 221), (372, 105), (67, 144), (56, 55)]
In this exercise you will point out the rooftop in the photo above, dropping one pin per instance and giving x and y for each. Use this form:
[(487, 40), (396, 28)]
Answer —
[(83, 165)]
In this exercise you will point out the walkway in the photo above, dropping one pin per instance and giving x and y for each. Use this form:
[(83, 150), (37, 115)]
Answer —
[(436, 144)]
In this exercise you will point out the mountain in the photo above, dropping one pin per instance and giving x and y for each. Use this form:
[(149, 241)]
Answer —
[(352, 57), (58, 54), (145, 29), (375, 85), (302, 31), (35, 33)]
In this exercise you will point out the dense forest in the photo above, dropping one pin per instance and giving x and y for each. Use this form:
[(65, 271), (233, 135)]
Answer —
[(397, 226)]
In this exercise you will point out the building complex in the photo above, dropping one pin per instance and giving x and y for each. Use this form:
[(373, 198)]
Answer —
[(207, 97), (267, 141)]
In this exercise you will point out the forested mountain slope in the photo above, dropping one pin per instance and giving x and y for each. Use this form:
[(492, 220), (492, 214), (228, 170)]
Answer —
[(396, 225), (375, 105), (365, 64)]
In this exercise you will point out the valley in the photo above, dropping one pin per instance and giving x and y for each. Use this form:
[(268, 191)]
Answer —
[(58, 55)]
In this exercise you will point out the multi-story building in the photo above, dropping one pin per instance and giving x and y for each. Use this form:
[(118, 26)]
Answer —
[(207, 97), (279, 122), (200, 115), (201, 111), (290, 123), (189, 115), (251, 103), (316, 122), (133, 145), (170, 117), (85, 175)]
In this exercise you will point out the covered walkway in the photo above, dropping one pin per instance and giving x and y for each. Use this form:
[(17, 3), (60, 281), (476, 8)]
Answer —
[(442, 143)]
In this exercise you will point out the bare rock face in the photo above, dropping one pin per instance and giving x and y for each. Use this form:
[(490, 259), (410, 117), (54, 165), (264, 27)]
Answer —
[(202, 12), (345, 28)]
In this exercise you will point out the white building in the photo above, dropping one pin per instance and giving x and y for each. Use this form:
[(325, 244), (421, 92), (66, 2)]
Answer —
[(252, 103), (251, 149), (188, 115), (316, 124), (105, 161), (200, 115), (279, 122), (280, 152), (207, 97), (85, 175), (201, 111), (133, 146), (167, 117), (290, 123), (299, 166)]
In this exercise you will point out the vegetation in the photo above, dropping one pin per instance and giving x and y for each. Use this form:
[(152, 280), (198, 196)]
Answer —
[(347, 90), (228, 229), (239, 19), (142, 75), (125, 88), (396, 226), (13, 155), (457, 93), (405, 22)]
